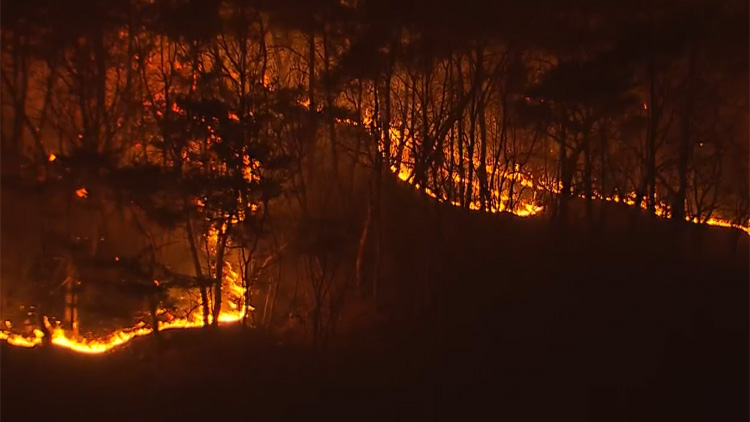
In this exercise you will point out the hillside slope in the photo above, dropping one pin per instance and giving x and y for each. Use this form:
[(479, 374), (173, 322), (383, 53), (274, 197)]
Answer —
[(517, 321)]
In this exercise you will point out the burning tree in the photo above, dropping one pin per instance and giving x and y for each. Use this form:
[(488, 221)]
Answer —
[(223, 174)]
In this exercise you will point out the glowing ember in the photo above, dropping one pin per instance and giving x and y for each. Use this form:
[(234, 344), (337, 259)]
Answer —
[(82, 193)]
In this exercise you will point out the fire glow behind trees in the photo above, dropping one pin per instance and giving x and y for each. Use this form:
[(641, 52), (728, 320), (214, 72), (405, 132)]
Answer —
[(199, 117)]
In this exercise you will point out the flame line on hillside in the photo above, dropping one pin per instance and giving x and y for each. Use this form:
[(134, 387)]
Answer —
[(61, 338), (528, 209)]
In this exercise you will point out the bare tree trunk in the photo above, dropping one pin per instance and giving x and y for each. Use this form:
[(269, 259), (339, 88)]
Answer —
[(311, 65), (363, 241), (686, 139), (330, 117), (470, 158), (358, 137), (653, 125), (251, 278), (421, 161), (603, 169), (100, 119), (387, 122), (269, 318), (266, 301), (312, 128), (247, 270), (71, 301), (587, 184), (198, 269), (562, 211), (223, 238), (484, 192)]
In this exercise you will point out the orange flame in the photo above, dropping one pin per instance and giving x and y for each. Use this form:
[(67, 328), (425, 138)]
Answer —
[(528, 209), (236, 292), (62, 338)]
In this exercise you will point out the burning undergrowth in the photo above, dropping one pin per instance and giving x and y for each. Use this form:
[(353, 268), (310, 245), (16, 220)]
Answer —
[(96, 304)]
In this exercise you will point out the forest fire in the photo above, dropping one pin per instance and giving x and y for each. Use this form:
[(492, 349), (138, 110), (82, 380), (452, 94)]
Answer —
[(524, 208), (64, 339), (485, 129), (329, 209)]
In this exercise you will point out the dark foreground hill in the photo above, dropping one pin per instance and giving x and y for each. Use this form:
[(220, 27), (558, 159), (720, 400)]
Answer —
[(520, 322)]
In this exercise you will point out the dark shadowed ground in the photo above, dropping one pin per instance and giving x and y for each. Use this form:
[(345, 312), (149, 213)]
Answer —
[(527, 324)]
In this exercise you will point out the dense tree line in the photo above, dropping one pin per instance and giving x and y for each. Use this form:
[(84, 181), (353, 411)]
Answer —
[(242, 124)]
